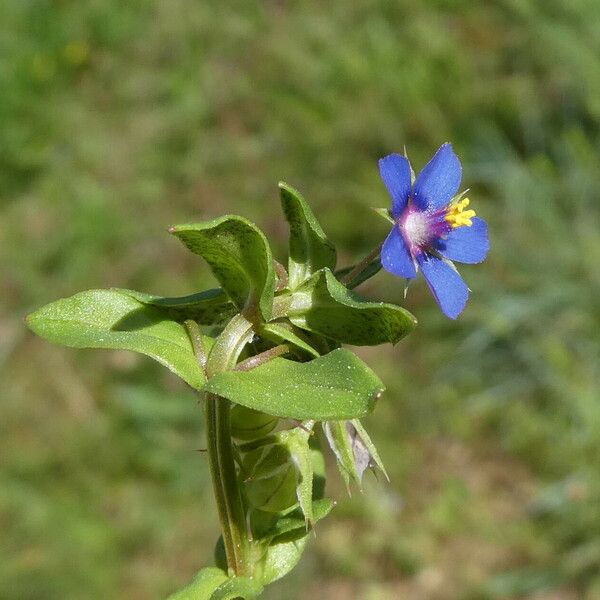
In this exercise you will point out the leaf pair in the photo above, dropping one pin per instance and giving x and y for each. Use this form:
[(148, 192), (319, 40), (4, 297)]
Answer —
[(335, 386)]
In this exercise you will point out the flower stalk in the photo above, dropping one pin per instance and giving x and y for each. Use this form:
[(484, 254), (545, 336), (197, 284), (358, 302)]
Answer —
[(361, 266)]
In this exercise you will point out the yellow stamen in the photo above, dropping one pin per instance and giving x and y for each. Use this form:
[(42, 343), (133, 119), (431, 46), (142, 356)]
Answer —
[(457, 216)]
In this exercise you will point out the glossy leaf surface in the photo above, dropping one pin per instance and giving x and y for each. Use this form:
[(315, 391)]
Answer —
[(335, 386), (324, 305), (309, 248), (114, 319), (239, 256)]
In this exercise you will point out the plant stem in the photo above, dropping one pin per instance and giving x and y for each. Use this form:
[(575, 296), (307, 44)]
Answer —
[(230, 507), (361, 266), (225, 484)]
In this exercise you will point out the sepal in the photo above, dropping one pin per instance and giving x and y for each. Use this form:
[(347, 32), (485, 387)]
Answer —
[(353, 449), (384, 213)]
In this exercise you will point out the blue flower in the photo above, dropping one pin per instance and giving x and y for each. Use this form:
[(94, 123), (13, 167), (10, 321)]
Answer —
[(432, 227)]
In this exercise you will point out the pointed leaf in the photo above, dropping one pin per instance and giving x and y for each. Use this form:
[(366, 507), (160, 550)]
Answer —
[(335, 386), (207, 308), (239, 256), (324, 305), (310, 250), (113, 319)]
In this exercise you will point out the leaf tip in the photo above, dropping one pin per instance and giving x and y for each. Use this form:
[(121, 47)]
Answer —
[(286, 188), (27, 320)]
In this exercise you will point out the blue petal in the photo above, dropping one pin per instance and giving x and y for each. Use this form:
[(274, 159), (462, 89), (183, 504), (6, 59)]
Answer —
[(395, 172), (447, 286), (466, 244), (395, 257), (438, 182)]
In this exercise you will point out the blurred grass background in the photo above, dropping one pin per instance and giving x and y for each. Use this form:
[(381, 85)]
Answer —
[(119, 119)]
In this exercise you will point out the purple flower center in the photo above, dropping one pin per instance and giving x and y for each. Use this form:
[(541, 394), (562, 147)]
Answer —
[(420, 228)]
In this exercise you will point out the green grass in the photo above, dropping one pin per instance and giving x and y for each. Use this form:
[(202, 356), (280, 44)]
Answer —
[(120, 119)]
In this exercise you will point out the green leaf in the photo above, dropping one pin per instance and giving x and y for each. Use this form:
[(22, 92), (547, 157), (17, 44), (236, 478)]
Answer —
[(288, 525), (270, 478), (207, 308), (282, 333), (239, 256), (310, 250), (202, 586), (248, 424), (114, 319), (335, 386), (237, 587), (323, 305), (212, 583), (281, 558)]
